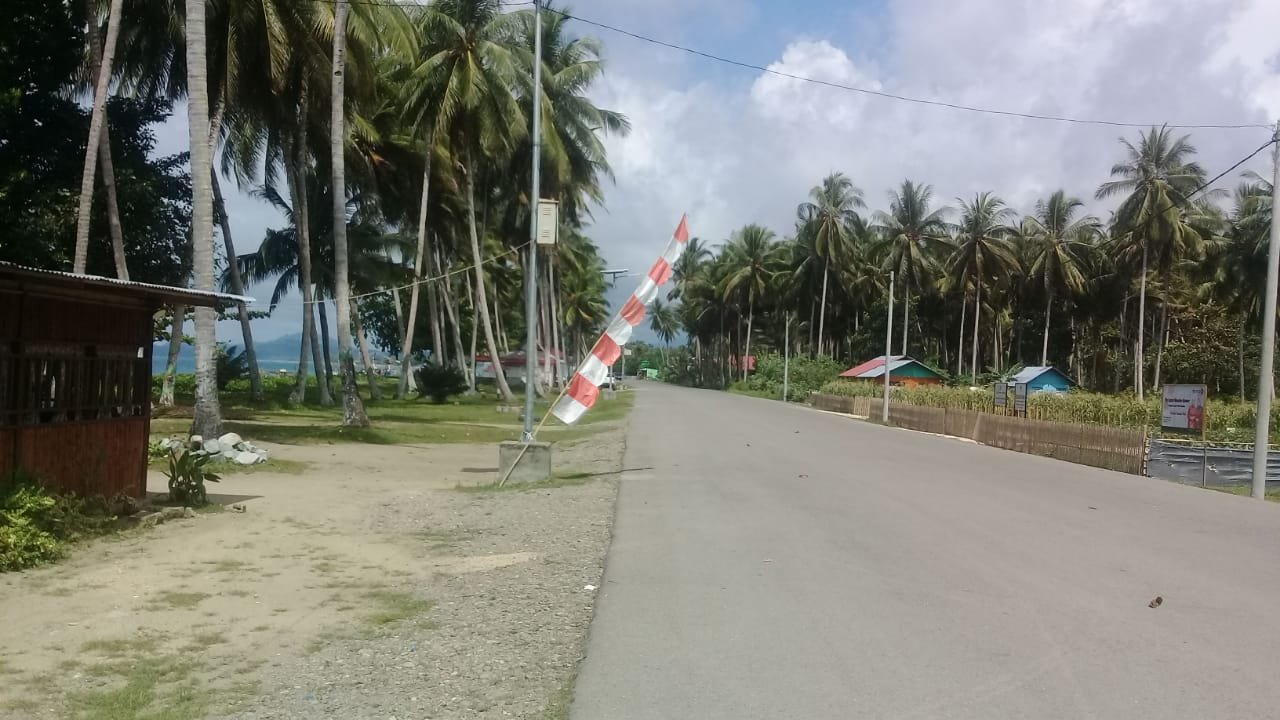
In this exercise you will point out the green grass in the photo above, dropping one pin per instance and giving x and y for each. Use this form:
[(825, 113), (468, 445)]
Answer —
[(154, 689), (394, 422), (393, 606), (1273, 494), (121, 647), (172, 600), (282, 466)]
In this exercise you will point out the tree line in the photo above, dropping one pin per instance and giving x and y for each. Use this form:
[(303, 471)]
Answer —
[(1169, 287), (393, 138)]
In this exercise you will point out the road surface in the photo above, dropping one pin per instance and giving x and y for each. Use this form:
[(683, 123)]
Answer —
[(778, 562)]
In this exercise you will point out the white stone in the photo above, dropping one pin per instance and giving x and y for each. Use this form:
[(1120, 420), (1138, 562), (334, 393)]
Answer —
[(230, 440), (248, 458), (229, 454), (196, 441), (213, 447)]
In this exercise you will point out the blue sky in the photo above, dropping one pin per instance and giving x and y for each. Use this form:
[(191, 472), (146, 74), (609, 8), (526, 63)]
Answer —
[(732, 146)]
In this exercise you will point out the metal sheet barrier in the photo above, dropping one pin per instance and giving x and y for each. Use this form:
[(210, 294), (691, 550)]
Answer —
[(1211, 465)]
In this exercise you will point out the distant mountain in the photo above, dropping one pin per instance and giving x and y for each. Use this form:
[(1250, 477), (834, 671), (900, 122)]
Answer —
[(276, 354)]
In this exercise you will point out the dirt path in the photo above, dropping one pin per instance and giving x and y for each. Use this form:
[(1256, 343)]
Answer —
[(366, 586)]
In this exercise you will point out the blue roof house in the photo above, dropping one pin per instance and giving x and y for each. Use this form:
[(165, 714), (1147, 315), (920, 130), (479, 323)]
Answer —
[(1044, 378)]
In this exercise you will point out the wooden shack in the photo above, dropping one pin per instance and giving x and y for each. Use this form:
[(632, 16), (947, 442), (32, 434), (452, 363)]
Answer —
[(75, 376)]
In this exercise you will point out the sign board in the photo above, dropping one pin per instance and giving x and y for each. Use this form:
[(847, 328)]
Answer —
[(548, 221), (626, 352), (1020, 398), (1000, 390), (1184, 408)]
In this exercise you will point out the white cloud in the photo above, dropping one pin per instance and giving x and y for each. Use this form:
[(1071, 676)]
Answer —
[(733, 154)]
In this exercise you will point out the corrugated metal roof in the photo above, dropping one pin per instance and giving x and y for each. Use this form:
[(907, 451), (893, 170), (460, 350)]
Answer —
[(1029, 374), (858, 371), (185, 295)]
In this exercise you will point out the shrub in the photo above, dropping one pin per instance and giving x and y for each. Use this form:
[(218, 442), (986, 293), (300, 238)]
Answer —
[(806, 376), (36, 524), (232, 364), (187, 475), (438, 382)]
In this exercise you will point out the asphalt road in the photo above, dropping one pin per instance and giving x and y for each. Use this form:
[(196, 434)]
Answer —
[(779, 562)]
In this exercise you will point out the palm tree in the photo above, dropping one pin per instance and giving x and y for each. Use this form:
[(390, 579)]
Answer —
[(690, 263), (97, 122), (1057, 233), (476, 71), (982, 249), (830, 217), (1157, 179), (664, 321), (753, 261), (910, 234), (353, 413), (207, 417)]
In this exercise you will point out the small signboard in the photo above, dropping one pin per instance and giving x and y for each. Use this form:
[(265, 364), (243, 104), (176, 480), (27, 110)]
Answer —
[(548, 221), (1184, 408), (1020, 398), (1000, 397), (626, 352)]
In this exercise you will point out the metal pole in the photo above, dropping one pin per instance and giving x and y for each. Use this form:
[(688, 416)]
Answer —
[(1262, 428), (786, 357), (531, 278), (888, 345)]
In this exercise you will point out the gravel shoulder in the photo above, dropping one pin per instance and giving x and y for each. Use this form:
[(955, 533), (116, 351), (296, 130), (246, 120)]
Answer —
[(379, 582)]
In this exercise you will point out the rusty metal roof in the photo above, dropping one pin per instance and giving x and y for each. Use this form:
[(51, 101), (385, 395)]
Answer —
[(163, 293)]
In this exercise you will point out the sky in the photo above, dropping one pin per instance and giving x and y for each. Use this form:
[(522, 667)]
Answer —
[(732, 146)]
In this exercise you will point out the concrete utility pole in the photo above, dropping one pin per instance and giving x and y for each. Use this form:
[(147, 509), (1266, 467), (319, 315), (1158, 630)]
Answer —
[(888, 344), (1266, 378), (531, 279)]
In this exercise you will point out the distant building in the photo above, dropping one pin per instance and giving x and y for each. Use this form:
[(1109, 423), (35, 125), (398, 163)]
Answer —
[(1044, 378), (903, 370)]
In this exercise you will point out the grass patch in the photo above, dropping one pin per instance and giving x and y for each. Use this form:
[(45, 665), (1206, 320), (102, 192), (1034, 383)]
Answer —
[(282, 466), (559, 703), (472, 419), (154, 689), (557, 480), (1273, 494), (121, 647), (206, 640), (394, 606), (171, 600)]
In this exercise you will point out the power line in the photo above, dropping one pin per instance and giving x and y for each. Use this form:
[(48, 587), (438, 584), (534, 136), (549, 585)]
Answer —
[(894, 96), (437, 278)]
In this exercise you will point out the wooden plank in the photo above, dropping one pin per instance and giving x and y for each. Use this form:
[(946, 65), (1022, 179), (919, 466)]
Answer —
[(87, 458)]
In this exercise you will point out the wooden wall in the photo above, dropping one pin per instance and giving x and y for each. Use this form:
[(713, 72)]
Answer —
[(90, 458)]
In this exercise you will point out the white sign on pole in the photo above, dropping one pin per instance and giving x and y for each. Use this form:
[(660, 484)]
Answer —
[(548, 221), (626, 351), (1183, 407), (1020, 398), (1000, 397)]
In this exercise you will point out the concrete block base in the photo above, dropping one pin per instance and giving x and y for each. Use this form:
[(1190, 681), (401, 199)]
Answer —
[(533, 466)]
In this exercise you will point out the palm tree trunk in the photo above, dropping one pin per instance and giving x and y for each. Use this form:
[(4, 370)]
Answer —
[(1142, 312), (906, 313), (1241, 357), (977, 316), (175, 347), (325, 343), (746, 352), (406, 347), (556, 334), (1164, 340), (482, 305), (475, 333), (108, 166), (375, 393), (964, 308), (299, 393), (97, 121), (1044, 347), (353, 413), (813, 350), (207, 418), (395, 304), (822, 313), (113, 203), (318, 355), (237, 286), (453, 313)]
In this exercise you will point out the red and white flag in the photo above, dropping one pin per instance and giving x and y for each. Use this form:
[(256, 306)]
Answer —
[(585, 386)]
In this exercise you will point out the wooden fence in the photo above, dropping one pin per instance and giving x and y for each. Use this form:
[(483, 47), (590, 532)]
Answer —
[(1096, 445)]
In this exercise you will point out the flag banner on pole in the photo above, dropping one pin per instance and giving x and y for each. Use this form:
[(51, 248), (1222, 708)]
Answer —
[(584, 388)]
